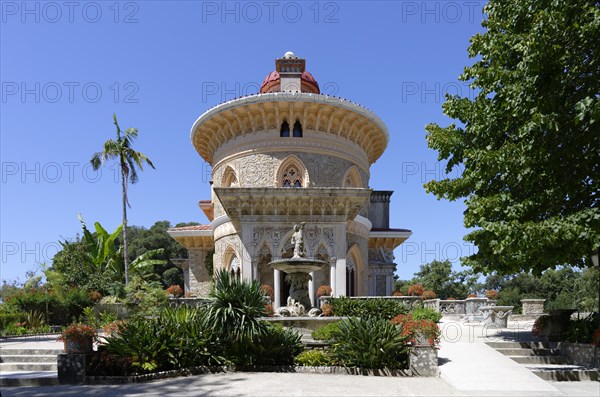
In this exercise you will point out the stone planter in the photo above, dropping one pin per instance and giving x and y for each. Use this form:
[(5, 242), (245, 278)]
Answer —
[(79, 345), (497, 315), (556, 324)]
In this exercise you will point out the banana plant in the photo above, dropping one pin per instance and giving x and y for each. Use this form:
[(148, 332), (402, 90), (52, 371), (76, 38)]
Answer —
[(101, 249)]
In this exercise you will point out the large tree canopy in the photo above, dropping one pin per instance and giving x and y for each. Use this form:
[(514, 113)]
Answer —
[(529, 141)]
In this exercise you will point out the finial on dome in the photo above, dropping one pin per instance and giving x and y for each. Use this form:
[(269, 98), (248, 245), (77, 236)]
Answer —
[(289, 55)]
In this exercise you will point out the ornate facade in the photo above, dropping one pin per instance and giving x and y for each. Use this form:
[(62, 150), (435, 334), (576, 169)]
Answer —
[(284, 156)]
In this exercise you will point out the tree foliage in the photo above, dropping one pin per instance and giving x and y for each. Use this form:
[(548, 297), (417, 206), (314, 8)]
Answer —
[(439, 277), (529, 141)]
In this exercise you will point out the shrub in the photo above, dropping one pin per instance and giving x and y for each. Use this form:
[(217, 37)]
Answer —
[(326, 332), (77, 331), (581, 330), (173, 276), (177, 338), (106, 364), (175, 290), (472, 296), (426, 313), (312, 358), (428, 294), (491, 294), (398, 293), (370, 343), (10, 318), (324, 290), (275, 346), (416, 290), (415, 329), (267, 290), (385, 309)]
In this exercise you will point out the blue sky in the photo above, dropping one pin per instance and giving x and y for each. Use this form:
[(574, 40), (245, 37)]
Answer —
[(66, 67)]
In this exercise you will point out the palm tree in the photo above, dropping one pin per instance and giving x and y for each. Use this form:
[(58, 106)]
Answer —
[(129, 159)]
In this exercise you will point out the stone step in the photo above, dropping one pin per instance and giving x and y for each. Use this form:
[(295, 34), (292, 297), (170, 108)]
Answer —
[(34, 352), (527, 352), (521, 345), (28, 358), (10, 367), (568, 375), (539, 359), (28, 378)]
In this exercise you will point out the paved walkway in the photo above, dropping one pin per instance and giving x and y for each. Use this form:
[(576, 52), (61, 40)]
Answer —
[(468, 367)]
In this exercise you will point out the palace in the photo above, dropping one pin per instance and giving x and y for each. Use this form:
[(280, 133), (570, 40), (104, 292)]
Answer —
[(284, 156)]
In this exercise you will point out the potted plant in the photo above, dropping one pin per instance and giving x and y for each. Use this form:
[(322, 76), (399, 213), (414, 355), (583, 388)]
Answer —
[(79, 338), (323, 290)]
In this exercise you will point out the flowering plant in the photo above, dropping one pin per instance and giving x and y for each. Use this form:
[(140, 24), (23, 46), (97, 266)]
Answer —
[(113, 328), (175, 290), (95, 296), (78, 331), (269, 309), (267, 290), (415, 328), (326, 310), (472, 296), (596, 338), (323, 290), (491, 294), (416, 290), (428, 294)]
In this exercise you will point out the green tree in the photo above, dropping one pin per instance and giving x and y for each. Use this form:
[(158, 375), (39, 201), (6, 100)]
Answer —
[(439, 277), (528, 141), (128, 160)]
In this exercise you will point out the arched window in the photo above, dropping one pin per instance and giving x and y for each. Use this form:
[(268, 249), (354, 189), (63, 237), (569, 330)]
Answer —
[(232, 263), (292, 177), (350, 277), (229, 178), (292, 173), (285, 129), (297, 133), (352, 178), (234, 268)]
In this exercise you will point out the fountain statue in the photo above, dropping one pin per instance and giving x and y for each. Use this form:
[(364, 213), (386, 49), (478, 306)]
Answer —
[(298, 269)]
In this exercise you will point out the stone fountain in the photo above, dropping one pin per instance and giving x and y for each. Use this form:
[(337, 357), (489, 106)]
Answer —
[(298, 269)]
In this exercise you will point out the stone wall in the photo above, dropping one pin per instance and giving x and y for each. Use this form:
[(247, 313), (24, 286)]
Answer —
[(580, 354)]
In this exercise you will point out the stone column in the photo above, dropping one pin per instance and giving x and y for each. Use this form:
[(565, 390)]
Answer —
[(311, 289), (198, 278), (340, 280), (277, 288), (332, 276), (340, 241)]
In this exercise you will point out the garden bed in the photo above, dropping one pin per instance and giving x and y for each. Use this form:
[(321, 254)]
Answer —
[(333, 370)]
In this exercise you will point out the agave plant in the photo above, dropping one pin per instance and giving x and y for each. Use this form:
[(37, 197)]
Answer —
[(236, 308), (370, 343)]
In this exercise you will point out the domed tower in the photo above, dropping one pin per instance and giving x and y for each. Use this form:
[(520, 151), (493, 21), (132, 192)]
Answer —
[(281, 157)]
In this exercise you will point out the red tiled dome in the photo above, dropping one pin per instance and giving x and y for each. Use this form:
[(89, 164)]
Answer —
[(271, 83)]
